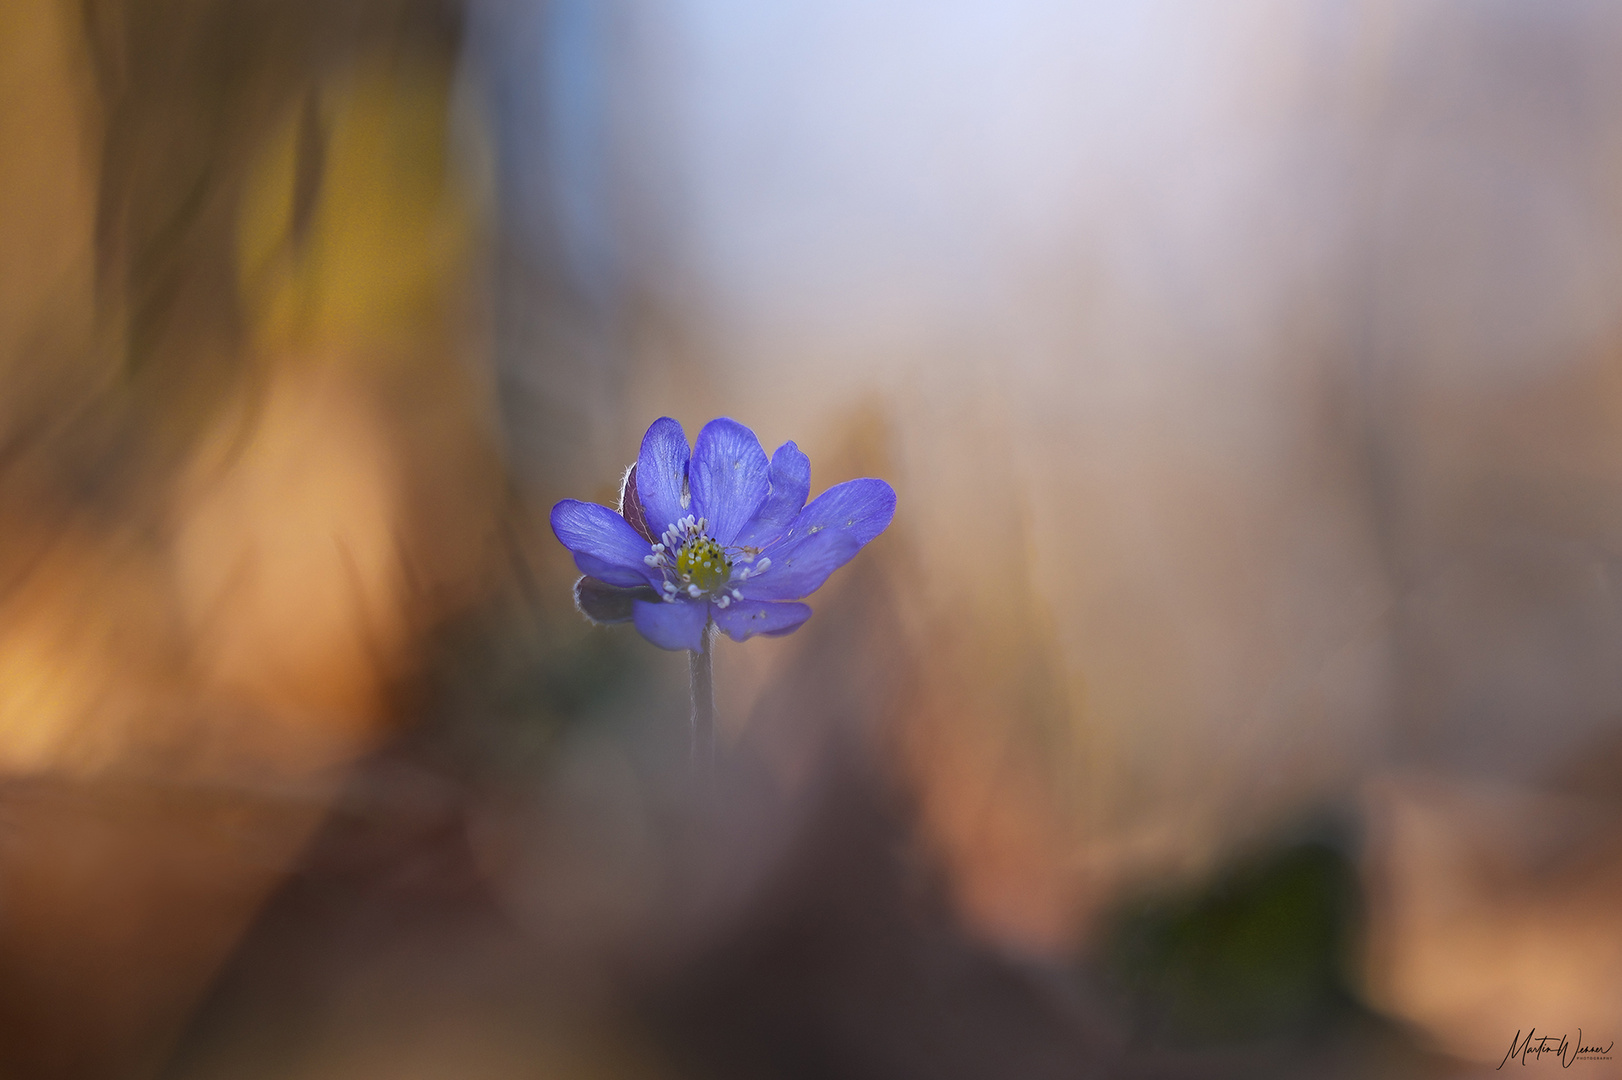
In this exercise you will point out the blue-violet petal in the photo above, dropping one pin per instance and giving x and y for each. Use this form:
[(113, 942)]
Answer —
[(661, 475), (729, 478), (678, 625), (800, 566), (743, 619), (624, 577), (613, 550), (862, 508), (791, 483)]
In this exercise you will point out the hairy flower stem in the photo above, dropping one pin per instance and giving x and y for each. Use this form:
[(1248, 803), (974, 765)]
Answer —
[(699, 664)]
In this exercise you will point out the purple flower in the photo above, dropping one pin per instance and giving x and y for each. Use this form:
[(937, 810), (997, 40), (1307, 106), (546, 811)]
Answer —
[(716, 534)]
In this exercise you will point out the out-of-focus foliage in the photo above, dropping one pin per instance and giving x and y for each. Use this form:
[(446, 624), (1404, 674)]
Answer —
[(1264, 950)]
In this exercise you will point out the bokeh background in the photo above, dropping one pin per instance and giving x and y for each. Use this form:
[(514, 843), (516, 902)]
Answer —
[(1238, 691)]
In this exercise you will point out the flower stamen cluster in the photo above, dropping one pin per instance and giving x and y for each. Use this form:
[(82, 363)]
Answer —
[(700, 566)]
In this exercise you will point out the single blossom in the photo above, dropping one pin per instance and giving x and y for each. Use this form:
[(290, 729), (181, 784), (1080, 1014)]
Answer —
[(715, 534)]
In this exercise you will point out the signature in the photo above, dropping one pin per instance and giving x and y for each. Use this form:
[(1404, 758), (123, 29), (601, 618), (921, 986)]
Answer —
[(1535, 1046)]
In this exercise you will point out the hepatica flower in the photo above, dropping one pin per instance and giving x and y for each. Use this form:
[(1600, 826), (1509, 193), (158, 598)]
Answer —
[(715, 535)]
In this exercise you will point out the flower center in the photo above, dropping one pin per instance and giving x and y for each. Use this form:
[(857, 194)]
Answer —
[(702, 562), (701, 565)]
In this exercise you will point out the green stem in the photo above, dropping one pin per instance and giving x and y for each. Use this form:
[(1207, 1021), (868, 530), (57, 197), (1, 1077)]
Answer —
[(703, 679)]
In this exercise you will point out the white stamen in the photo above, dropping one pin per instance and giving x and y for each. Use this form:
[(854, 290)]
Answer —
[(693, 591), (651, 560), (723, 602), (762, 566), (736, 595)]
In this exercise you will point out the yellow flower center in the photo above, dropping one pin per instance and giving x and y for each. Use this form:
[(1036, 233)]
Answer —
[(702, 562)]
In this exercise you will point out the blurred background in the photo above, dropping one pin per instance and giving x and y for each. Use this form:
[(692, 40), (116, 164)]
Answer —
[(1238, 691)]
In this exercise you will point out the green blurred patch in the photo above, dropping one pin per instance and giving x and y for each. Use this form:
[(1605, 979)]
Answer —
[(1258, 952), (508, 680)]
